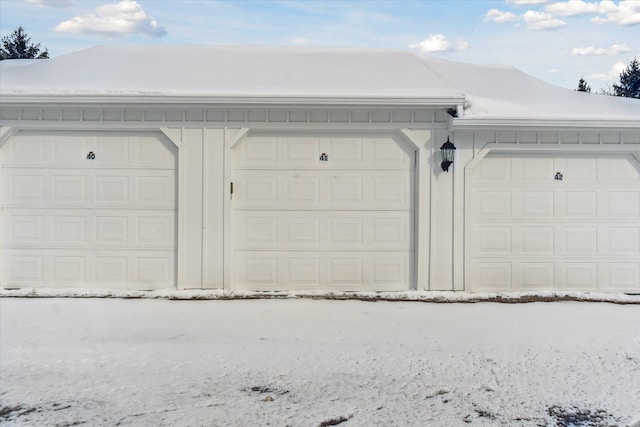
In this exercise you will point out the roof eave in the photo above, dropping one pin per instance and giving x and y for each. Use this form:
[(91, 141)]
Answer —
[(230, 101), (544, 123)]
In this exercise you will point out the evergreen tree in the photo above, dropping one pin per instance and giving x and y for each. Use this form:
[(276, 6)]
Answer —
[(629, 81), (18, 45), (583, 86)]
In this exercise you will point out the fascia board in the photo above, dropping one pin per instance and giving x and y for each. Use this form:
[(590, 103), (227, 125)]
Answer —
[(536, 124), (289, 102)]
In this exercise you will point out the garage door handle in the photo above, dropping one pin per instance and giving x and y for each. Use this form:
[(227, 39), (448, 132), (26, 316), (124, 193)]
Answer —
[(231, 191)]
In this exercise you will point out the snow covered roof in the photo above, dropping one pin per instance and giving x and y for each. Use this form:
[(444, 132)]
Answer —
[(502, 92), (138, 73), (232, 71)]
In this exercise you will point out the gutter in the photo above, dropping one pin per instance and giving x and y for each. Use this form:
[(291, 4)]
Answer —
[(17, 100), (536, 124)]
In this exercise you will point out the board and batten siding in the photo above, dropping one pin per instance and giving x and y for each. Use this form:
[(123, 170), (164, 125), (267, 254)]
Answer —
[(203, 140)]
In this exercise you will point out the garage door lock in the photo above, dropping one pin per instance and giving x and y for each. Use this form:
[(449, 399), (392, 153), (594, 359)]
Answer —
[(558, 176), (324, 157), (91, 156)]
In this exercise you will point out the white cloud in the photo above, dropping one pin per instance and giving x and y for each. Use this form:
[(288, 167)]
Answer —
[(613, 50), (114, 20), (626, 12), (438, 43), (571, 7), (553, 71), (541, 21), (51, 3), (527, 2), (433, 43), (462, 45), (613, 73), (499, 16)]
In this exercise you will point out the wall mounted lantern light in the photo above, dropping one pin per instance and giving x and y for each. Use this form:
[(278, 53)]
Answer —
[(447, 150)]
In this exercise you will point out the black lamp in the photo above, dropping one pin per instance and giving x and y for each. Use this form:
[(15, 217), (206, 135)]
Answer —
[(447, 150)]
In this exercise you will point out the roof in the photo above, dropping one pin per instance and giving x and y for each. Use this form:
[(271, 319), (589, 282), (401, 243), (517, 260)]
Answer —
[(250, 74), (502, 92), (232, 72)]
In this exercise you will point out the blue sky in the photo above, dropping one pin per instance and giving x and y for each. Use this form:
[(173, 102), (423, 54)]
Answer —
[(555, 41)]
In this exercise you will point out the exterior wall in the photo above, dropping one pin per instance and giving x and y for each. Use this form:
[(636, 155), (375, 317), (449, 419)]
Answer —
[(205, 137)]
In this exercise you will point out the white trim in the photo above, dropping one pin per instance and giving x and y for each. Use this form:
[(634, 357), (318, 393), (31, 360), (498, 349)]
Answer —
[(245, 101), (182, 209), (550, 123), (228, 272), (6, 133), (418, 141), (167, 133), (232, 140), (633, 149)]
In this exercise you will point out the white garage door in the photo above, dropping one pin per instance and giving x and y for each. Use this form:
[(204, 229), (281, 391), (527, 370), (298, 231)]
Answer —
[(569, 222), (323, 213), (72, 221)]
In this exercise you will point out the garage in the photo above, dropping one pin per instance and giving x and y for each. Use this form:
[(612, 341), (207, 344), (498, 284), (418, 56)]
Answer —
[(325, 211), (88, 209), (553, 221)]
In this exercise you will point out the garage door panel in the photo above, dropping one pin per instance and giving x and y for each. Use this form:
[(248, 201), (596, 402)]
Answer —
[(578, 240), (302, 191), (24, 188), (577, 204), (303, 271), (533, 204), (621, 275), (532, 170), (70, 189), (491, 240), (68, 270), (579, 275), (156, 189), (345, 271), (492, 170), (536, 240), (390, 271), (619, 172), (334, 230), (621, 204), (23, 268), (263, 151), (301, 152), (577, 170), (620, 240), (69, 149), (493, 204), (32, 149), (536, 275), (583, 230), (69, 229), (322, 190), (346, 152), (488, 275), (345, 191)]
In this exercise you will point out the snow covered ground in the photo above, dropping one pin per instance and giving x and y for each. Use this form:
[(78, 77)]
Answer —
[(305, 362)]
